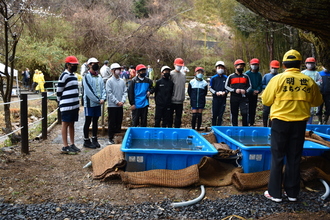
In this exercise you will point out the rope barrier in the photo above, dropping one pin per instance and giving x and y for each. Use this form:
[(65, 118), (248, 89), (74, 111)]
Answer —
[(33, 123), (53, 112), (6, 103), (6, 135), (30, 124)]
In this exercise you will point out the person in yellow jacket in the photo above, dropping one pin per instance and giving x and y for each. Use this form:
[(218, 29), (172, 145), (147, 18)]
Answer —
[(34, 81), (40, 79), (290, 94)]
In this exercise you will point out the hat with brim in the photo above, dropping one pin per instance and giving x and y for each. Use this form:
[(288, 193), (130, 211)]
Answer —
[(292, 55), (165, 68)]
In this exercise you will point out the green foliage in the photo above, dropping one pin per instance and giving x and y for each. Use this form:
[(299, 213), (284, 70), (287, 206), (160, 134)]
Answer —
[(140, 8)]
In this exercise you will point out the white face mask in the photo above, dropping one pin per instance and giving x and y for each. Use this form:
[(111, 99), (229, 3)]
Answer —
[(254, 67), (178, 68), (220, 71), (273, 70), (117, 72), (310, 66)]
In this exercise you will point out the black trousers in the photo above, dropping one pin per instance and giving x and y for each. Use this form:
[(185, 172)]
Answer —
[(253, 101), (265, 115), (287, 141), (139, 117), (115, 119), (177, 109), (218, 108), (88, 121), (162, 114), (239, 103), (326, 103)]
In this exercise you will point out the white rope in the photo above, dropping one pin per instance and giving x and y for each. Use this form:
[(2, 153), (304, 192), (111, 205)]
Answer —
[(52, 112), (33, 123), (6, 103), (4, 136)]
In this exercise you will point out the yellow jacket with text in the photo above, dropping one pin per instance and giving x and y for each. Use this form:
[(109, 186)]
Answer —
[(291, 95)]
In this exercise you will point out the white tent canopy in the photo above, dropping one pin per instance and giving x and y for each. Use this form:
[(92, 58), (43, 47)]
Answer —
[(2, 69)]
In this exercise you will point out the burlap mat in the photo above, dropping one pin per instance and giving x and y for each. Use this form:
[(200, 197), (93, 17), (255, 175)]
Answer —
[(210, 137), (169, 178), (107, 162), (315, 167), (215, 173), (311, 167), (224, 150), (246, 181), (208, 172)]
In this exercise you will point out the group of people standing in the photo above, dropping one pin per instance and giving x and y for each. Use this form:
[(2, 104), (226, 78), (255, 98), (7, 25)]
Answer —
[(287, 98)]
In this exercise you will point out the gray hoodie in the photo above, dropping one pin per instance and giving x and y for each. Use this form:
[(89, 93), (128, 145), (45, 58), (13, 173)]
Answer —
[(179, 81), (116, 91)]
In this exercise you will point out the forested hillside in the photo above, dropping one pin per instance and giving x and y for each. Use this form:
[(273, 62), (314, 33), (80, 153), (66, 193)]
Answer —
[(152, 32)]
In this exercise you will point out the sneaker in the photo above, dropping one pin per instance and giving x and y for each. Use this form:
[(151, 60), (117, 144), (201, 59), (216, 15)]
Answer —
[(111, 141), (75, 148), (68, 150), (95, 143), (268, 196), (88, 144), (291, 199)]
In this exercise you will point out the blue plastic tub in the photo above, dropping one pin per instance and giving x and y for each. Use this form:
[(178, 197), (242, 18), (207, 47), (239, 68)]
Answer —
[(325, 129), (164, 148), (257, 156)]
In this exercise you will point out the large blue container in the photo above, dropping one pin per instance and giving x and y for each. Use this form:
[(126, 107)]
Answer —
[(164, 148), (325, 129), (258, 158)]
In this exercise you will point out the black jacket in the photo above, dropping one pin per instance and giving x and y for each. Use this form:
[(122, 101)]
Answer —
[(163, 92)]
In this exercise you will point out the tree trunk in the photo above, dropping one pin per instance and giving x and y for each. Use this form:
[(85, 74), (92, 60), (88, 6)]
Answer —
[(309, 16)]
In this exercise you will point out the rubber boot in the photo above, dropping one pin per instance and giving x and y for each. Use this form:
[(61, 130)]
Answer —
[(88, 144), (326, 118), (95, 143), (199, 121), (320, 119), (193, 120)]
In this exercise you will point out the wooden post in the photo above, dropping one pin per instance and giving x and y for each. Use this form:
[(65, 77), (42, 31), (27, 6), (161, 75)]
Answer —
[(44, 115), (24, 124)]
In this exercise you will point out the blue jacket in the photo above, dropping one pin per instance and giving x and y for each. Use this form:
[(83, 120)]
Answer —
[(197, 91), (265, 80), (94, 90), (137, 92), (325, 86)]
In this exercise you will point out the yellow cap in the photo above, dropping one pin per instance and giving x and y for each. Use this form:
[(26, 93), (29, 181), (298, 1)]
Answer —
[(292, 55)]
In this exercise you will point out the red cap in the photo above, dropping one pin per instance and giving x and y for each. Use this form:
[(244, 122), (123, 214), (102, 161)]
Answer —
[(274, 64), (254, 61), (140, 67), (310, 60), (179, 62), (72, 60), (199, 68), (239, 61)]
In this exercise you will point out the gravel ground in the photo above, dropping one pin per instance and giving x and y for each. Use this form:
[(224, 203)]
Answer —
[(247, 206)]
